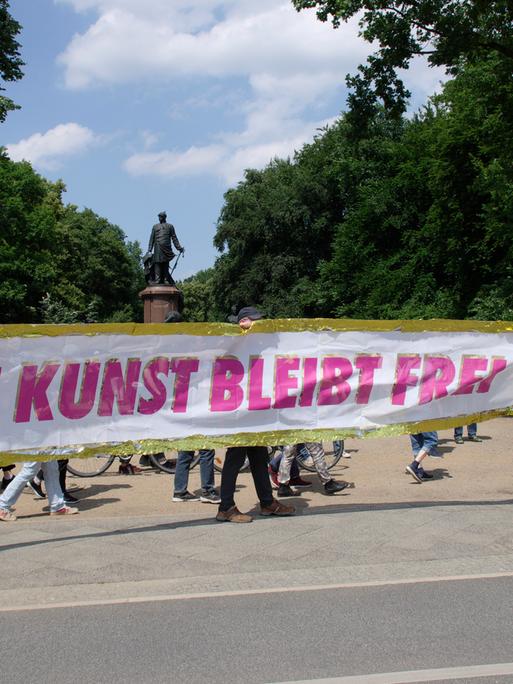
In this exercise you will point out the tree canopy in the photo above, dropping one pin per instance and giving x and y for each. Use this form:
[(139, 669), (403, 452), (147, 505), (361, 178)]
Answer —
[(10, 59), (59, 264), (448, 32), (411, 219)]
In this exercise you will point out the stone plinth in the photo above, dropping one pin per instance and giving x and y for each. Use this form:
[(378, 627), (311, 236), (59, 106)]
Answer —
[(159, 300)]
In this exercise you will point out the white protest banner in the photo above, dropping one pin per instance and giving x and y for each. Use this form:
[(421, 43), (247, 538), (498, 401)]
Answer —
[(141, 388)]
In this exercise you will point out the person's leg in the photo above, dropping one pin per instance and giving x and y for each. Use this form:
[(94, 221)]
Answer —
[(289, 454), (6, 477), (17, 485), (207, 469), (35, 484), (458, 433), (208, 490), (276, 460), (416, 443), (294, 470), (316, 451), (53, 488), (63, 469), (233, 462), (183, 463), (331, 486), (431, 444), (472, 432), (258, 463), (420, 451)]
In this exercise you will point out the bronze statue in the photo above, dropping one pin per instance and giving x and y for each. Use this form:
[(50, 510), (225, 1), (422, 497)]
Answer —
[(160, 252)]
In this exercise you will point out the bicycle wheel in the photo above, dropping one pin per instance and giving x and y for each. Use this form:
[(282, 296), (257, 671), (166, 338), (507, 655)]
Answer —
[(166, 461), (219, 461), (91, 466), (332, 452)]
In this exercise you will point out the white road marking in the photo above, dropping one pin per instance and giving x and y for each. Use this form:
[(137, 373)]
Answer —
[(412, 676), (237, 592)]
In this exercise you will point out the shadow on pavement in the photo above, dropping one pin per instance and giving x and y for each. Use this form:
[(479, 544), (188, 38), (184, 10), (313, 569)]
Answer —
[(301, 507)]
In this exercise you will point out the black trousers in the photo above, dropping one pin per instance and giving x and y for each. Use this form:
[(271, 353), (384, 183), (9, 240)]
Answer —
[(233, 462), (162, 272)]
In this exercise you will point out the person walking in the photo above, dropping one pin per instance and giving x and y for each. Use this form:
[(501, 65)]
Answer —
[(184, 460), (295, 478), (316, 450), (206, 464), (471, 434), (53, 489), (257, 456), (423, 444)]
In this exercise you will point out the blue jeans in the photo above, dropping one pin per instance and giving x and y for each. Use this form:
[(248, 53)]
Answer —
[(471, 430), (206, 464), (424, 440), (27, 473)]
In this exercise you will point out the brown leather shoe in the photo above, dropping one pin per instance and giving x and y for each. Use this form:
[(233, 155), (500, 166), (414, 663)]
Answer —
[(233, 515), (277, 508)]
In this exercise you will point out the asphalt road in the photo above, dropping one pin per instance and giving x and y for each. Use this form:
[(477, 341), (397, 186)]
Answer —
[(270, 637)]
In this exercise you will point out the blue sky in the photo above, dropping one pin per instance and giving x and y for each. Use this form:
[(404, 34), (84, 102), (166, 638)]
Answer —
[(149, 105)]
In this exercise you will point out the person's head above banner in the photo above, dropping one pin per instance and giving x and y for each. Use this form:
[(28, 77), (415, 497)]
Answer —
[(247, 315)]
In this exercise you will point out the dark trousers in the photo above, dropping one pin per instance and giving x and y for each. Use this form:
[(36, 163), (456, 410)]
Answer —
[(233, 462), (162, 272)]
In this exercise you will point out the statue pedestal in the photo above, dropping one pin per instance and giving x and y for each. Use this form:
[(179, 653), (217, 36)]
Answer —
[(159, 300)]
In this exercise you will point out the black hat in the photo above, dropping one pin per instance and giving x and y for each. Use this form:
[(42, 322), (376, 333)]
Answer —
[(173, 317), (249, 312), (162, 213)]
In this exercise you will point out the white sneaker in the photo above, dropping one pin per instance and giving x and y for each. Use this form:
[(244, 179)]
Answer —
[(346, 454), (6, 515), (65, 510)]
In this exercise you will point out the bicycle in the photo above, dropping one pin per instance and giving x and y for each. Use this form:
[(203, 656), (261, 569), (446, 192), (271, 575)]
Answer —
[(93, 465), (167, 465), (163, 461), (332, 450)]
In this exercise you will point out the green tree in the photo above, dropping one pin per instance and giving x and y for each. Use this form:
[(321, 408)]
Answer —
[(411, 219), (430, 232), (10, 60), (273, 229), (449, 32), (28, 230), (58, 264), (199, 304), (96, 269)]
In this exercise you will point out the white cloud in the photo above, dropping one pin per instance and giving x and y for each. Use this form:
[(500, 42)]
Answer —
[(133, 40), (194, 161), (47, 150), (290, 61)]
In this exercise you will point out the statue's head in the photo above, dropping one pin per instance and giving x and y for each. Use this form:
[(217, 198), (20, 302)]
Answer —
[(162, 216)]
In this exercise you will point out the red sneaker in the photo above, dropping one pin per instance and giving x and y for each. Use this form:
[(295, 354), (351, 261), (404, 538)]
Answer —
[(65, 510), (273, 477), (299, 482)]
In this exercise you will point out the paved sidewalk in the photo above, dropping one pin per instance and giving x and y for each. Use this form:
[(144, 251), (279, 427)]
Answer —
[(130, 542)]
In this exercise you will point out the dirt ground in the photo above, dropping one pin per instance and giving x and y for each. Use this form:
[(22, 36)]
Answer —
[(469, 472)]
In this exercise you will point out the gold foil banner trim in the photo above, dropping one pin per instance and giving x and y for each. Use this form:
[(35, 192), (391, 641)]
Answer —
[(264, 326), (272, 438)]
